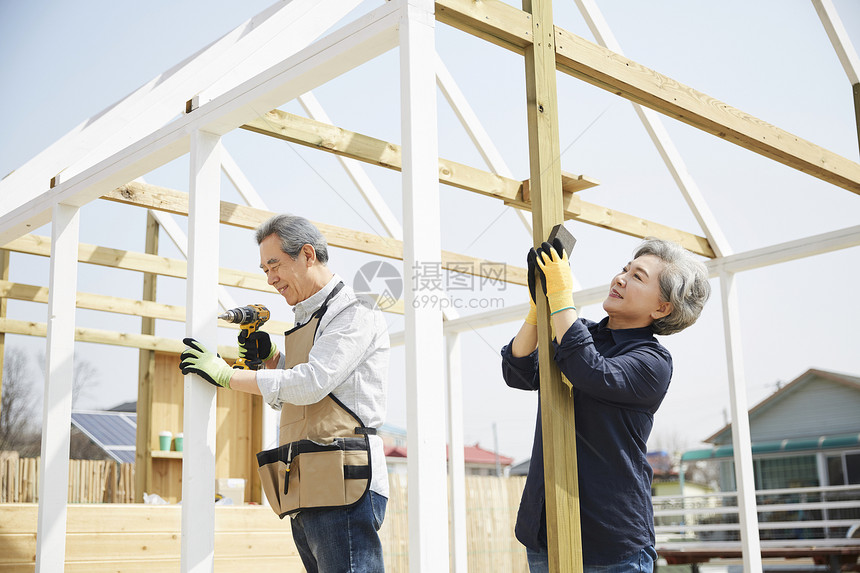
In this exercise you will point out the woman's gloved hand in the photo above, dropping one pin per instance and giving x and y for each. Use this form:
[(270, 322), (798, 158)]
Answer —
[(556, 277)]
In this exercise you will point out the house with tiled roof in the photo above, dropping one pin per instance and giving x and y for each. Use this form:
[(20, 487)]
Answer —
[(477, 460)]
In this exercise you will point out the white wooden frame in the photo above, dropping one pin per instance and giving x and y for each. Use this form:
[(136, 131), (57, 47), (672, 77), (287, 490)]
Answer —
[(91, 168)]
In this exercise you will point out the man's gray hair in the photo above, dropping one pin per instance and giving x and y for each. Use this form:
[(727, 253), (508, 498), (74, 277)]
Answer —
[(683, 282), (295, 232)]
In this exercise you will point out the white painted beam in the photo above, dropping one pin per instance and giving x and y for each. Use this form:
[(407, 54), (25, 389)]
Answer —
[(787, 251), (281, 29), (741, 440), (331, 56), (357, 173), (180, 240), (198, 467), (839, 38), (456, 455), (59, 377), (425, 406), (479, 136), (660, 137), (240, 182)]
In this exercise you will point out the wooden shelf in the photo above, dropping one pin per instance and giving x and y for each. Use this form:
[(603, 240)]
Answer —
[(166, 454)]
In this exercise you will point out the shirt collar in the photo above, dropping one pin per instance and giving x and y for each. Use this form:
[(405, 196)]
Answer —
[(304, 309), (622, 334)]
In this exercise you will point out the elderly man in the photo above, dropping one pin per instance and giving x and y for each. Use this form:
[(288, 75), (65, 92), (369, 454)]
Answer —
[(330, 382), (619, 375)]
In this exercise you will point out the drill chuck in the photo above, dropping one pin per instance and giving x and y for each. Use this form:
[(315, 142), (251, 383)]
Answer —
[(238, 315), (247, 314)]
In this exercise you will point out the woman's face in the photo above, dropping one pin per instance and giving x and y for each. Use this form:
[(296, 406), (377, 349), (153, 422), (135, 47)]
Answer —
[(634, 294)]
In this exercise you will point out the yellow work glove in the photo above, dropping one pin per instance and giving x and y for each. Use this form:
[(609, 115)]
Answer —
[(556, 277)]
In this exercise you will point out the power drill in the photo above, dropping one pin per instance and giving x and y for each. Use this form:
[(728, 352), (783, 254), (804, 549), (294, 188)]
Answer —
[(251, 317)]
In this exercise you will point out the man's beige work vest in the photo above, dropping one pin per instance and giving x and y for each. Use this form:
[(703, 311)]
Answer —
[(323, 460)]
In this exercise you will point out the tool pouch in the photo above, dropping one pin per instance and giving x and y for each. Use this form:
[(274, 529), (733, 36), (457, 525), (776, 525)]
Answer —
[(306, 474)]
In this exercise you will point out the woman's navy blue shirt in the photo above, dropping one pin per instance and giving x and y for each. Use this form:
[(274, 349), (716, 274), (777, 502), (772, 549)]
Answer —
[(619, 379)]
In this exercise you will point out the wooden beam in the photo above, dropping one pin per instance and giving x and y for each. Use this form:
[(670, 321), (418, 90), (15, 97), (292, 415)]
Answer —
[(99, 336), (127, 306), (310, 133), (564, 542), (855, 90), (130, 260), (575, 56), (146, 375), (172, 201), (570, 183), (496, 22)]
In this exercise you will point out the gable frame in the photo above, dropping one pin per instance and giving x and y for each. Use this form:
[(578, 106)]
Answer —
[(70, 201)]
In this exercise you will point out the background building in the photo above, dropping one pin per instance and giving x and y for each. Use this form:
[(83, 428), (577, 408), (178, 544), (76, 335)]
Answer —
[(805, 434)]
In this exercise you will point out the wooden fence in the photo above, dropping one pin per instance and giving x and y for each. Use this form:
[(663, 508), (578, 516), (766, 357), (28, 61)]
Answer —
[(90, 481), (491, 509)]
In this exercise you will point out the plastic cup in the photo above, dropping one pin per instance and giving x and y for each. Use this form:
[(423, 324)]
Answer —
[(164, 440), (177, 442)]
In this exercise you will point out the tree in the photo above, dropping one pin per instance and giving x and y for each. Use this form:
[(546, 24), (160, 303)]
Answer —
[(18, 411), (19, 415)]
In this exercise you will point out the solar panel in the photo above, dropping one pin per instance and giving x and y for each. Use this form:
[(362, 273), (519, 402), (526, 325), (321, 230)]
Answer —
[(114, 432)]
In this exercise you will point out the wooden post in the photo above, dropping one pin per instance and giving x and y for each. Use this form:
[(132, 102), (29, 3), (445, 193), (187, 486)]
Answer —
[(856, 88), (145, 374), (557, 419)]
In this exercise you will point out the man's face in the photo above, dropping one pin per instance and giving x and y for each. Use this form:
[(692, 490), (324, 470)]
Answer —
[(634, 295), (290, 277)]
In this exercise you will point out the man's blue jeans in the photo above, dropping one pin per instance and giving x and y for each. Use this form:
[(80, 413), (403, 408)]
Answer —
[(641, 562), (342, 540)]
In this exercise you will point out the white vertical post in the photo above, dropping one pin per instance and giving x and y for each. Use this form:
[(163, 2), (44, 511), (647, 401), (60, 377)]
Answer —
[(422, 245), (59, 374), (741, 441), (456, 461), (198, 468)]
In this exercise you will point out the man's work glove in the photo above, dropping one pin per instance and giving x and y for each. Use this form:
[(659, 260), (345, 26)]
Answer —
[(256, 346), (531, 317), (208, 365), (556, 277)]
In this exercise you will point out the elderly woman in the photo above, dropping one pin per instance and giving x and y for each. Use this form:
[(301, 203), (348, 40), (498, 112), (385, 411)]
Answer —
[(619, 374)]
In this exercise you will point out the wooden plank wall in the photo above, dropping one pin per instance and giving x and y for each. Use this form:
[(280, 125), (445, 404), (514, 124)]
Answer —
[(137, 537), (238, 438), (146, 538)]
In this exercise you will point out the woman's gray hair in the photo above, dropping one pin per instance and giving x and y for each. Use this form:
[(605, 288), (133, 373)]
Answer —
[(683, 282), (295, 232)]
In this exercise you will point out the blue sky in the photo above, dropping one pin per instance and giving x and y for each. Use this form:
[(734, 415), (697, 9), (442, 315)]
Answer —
[(64, 62)]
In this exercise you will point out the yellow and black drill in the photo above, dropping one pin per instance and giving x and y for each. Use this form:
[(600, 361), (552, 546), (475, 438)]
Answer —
[(251, 317)]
